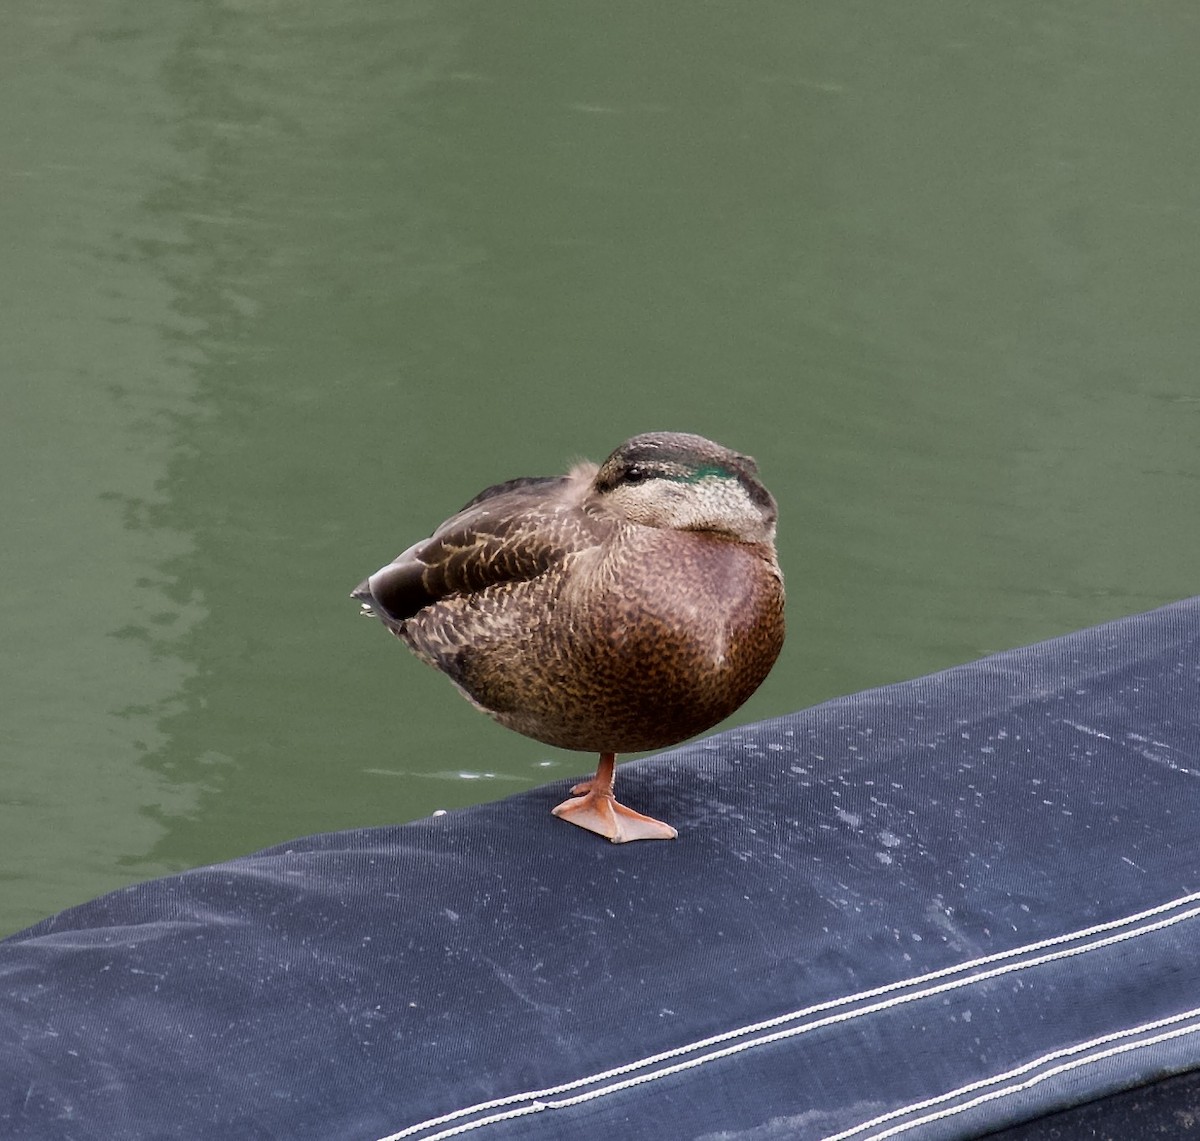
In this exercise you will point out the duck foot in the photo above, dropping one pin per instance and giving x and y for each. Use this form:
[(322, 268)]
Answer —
[(593, 806)]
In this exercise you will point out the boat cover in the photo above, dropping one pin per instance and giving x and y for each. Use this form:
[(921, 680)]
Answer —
[(962, 904)]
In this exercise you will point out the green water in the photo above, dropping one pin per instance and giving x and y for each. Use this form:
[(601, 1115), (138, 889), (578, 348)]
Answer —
[(285, 284)]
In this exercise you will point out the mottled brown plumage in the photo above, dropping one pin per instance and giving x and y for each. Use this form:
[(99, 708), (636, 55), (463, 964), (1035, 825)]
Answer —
[(611, 610)]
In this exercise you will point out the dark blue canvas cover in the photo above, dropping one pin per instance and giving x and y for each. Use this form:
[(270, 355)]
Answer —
[(964, 903)]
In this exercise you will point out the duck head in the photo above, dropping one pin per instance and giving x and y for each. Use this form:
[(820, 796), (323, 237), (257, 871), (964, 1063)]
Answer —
[(684, 482)]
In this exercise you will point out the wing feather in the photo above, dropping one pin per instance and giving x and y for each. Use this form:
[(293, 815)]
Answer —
[(513, 532)]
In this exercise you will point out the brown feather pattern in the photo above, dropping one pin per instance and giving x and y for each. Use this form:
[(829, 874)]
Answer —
[(567, 621)]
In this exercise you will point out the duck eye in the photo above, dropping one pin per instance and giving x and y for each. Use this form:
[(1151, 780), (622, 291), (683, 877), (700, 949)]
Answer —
[(636, 475)]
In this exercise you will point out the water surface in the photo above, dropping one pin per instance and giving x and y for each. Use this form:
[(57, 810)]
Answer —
[(285, 285)]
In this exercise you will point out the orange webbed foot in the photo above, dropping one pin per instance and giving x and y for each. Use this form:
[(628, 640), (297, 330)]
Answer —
[(593, 806)]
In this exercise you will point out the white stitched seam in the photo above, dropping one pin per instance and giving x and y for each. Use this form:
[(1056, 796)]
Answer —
[(539, 1099), (791, 1032), (1034, 1064), (1029, 1083), (794, 1015)]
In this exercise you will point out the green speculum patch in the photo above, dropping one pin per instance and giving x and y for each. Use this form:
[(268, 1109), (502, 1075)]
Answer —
[(710, 471)]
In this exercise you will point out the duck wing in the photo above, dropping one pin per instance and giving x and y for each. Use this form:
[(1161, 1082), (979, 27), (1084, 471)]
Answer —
[(513, 532)]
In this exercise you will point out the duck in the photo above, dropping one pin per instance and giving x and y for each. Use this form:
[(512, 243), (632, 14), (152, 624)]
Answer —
[(622, 607)]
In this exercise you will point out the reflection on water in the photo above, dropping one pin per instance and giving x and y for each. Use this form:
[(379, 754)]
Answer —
[(459, 774), (286, 289), (94, 384)]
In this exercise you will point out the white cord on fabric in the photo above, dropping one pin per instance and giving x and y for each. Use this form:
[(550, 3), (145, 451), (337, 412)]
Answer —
[(901, 992), (1036, 1064)]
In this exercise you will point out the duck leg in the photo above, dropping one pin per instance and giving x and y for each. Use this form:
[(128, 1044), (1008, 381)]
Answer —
[(593, 806)]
